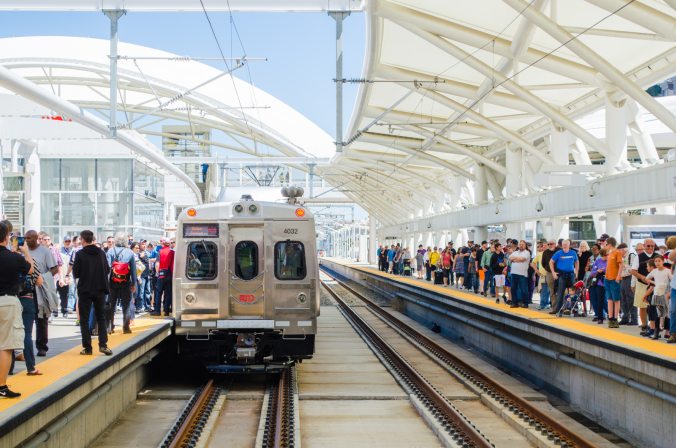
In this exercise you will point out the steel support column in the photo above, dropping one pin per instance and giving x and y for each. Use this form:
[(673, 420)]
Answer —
[(616, 138), (114, 15), (32, 192), (339, 16), (614, 224)]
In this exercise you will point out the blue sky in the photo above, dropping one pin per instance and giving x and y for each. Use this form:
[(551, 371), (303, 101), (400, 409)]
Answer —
[(300, 48)]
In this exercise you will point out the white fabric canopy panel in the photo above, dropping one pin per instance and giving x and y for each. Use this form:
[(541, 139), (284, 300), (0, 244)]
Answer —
[(449, 86)]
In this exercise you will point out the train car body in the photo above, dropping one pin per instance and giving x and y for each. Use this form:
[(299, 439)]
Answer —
[(246, 285)]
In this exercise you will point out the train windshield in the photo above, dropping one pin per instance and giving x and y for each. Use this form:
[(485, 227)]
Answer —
[(290, 260), (201, 262), (246, 257)]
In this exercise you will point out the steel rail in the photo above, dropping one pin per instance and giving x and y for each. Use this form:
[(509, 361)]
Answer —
[(456, 424), (514, 403), (193, 418), (279, 425)]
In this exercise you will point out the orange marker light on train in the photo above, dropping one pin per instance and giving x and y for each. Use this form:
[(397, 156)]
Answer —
[(300, 212), (191, 212)]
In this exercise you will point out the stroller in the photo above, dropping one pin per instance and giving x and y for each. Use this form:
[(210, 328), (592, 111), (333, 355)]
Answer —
[(575, 304)]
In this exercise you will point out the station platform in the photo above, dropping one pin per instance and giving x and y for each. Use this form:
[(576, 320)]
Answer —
[(613, 376), (50, 401)]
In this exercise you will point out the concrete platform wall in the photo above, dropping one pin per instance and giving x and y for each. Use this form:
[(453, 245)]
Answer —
[(640, 418), (115, 387)]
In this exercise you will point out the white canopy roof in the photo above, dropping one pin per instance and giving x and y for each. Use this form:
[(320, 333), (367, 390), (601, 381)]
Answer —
[(159, 84), (448, 86)]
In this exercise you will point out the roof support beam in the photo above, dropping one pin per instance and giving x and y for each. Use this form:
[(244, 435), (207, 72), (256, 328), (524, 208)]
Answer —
[(504, 133), (453, 87), (131, 140), (641, 14), (417, 153), (595, 60), (528, 97), (475, 38)]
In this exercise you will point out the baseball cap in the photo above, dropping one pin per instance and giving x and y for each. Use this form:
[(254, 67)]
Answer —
[(164, 240), (604, 237), (67, 238)]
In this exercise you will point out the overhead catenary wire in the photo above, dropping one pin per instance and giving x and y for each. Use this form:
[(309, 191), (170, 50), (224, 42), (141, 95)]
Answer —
[(232, 78)]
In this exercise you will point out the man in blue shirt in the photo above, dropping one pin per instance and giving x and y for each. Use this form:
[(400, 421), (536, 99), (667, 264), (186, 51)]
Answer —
[(390, 259), (564, 264)]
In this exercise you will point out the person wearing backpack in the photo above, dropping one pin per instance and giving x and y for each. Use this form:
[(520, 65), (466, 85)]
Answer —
[(123, 282)]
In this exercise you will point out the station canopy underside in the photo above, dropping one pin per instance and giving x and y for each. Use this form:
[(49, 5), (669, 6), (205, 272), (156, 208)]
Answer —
[(447, 88)]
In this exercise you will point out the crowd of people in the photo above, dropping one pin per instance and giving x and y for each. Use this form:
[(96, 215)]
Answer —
[(40, 279), (623, 287)]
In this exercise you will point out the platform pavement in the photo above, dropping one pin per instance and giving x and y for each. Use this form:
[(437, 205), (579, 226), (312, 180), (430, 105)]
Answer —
[(64, 334), (627, 336)]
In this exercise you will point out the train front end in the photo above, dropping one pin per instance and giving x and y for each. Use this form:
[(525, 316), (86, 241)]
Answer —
[(245, 287)]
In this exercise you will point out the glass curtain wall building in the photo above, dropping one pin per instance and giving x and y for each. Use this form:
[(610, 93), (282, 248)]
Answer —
[(103, 195)]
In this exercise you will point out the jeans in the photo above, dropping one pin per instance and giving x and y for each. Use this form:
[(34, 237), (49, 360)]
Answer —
[(487, 280), (72, 296), (124, 296), (519, 289), (85, 303), (41, 333), (544, 295), (144, 292), (565, 281), (629, 311), (28, 315), (63, 297), (428, 272), (672, 312), (472, 282), (163, 291), (597, 297)]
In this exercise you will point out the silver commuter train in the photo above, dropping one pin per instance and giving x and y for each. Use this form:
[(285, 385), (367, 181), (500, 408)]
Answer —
[(246, 285)]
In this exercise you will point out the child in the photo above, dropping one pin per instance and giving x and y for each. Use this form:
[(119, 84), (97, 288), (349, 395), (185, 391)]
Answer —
[(660, 277)]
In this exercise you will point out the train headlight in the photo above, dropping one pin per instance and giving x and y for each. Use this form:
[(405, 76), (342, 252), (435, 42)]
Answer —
[(238, 208), (302, 298), (253, 208), (190, 299)]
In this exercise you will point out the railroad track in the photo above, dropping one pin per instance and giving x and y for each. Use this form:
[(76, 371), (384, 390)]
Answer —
[(456, 425), (278, 425), (280, 428), (187, 429)]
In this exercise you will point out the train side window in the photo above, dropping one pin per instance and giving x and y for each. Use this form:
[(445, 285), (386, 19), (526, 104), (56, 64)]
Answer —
[(290, 260), (246, 260), (202, 261)]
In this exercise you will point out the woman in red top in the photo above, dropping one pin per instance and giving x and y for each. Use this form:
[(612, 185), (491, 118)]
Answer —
[(446, 264)]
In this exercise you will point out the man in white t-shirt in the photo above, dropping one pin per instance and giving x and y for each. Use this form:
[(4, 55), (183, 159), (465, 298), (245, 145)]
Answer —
[(520, 259)]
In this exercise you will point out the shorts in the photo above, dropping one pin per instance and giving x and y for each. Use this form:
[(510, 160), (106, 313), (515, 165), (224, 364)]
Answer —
[(612, 290), (661, 305), (639, 292), (499, 280), (11, 323)]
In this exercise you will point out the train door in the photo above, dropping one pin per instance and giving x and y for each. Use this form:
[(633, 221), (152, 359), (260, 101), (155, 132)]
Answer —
[(246, 272)]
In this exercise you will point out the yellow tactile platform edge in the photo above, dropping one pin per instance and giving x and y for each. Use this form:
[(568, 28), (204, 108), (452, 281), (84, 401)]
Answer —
[(595, 331), (65, 363)]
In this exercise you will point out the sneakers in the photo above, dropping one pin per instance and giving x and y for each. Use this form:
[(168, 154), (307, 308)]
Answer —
[(672, 339), (612, 323), (126, 330), (86, 351), (42, 353), (106, 351), (6, 393)]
